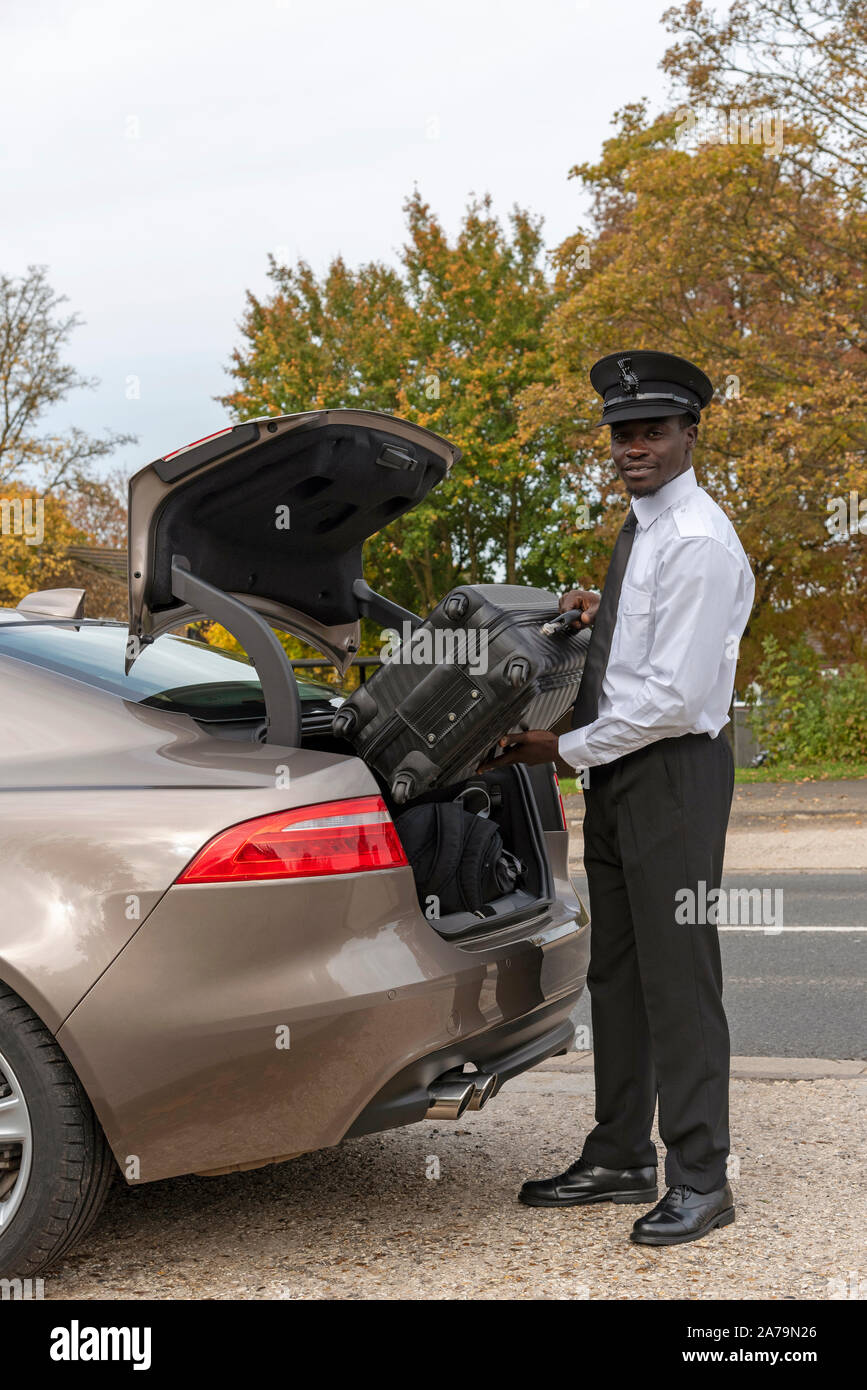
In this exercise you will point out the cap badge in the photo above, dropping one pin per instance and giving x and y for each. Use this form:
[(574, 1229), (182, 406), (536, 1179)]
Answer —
[(628, 380)]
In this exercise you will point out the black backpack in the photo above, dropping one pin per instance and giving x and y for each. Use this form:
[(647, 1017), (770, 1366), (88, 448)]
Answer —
[(456, 856)]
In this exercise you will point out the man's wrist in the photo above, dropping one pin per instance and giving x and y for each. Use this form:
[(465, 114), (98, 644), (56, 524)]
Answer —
[(564, 769)]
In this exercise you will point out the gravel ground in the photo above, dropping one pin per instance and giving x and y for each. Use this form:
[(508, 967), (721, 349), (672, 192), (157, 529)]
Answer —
[(370, 1219)]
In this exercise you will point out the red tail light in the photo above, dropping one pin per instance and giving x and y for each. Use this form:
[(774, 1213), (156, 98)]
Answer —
[(332, 837), (560, 796), (204, 439)]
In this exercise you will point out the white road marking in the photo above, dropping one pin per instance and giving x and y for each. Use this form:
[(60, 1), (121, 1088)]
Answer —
[(778, 931)]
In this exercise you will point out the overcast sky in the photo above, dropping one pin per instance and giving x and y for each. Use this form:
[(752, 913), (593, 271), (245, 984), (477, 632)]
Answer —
[(154, 152)]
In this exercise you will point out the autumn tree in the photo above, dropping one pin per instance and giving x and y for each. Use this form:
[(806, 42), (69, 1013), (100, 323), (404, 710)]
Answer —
[(51, 496), (35, 534), (748, 258), (448, 339), (34, 376), (807, 58)]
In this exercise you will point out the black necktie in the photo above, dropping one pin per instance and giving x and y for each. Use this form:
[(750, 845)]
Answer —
[(586, 706)]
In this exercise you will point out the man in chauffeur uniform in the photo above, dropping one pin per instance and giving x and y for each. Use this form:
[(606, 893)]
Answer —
[(648, 723)]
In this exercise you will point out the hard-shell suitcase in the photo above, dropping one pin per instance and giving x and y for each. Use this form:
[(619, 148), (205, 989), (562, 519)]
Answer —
[(478, 668)]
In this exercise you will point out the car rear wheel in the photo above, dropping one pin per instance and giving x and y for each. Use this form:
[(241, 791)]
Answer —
[(55, 1164)]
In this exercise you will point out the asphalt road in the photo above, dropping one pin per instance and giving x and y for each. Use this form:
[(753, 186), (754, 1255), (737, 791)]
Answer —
[(798, 992)]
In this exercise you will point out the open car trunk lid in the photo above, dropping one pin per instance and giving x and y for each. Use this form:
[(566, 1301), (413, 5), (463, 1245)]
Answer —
[(267, 520)]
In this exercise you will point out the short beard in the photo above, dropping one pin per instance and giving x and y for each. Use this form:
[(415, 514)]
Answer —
[(647, 492)]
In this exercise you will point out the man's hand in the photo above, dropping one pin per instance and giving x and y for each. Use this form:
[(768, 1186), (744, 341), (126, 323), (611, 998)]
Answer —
[(586, 600), (533, 747)]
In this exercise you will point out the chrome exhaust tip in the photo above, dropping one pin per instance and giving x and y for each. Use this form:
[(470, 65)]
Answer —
[(449, 1099), (484, 1085)]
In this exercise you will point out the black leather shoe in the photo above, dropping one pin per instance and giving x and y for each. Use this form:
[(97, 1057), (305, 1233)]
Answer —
[(684, 1214), (587, 1182)]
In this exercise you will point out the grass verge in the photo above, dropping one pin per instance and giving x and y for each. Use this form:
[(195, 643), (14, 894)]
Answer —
[(783, 772)]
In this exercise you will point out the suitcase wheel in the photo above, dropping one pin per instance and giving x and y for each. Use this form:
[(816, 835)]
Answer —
[(344, 722), (456, 606), (517, 672), (402, 787)]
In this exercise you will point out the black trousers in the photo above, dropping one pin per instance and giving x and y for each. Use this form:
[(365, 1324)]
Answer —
[(655, 824)]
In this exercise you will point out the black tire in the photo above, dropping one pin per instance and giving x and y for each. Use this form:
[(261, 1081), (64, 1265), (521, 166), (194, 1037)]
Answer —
[(71, 1163)]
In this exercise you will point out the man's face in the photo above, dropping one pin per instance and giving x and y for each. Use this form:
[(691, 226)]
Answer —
[(649, 453)]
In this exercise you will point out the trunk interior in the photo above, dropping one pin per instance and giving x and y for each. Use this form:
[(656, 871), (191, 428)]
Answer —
[(515, 809)]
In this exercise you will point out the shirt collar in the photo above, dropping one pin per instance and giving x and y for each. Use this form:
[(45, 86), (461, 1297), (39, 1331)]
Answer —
[(647, 509)]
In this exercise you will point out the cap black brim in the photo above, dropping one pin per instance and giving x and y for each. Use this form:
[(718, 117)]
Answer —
[(644, 412)]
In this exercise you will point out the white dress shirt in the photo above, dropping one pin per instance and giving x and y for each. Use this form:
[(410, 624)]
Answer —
[(686, 596)]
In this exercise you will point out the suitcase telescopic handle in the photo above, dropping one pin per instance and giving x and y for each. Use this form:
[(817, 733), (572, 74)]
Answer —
[(564, 620)]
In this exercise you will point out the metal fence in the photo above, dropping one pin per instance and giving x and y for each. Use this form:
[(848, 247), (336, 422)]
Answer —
[(744, 742), (361, 664)]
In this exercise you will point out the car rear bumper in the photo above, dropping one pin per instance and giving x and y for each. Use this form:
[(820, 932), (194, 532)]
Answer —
[(244, 1023), (502, 1052)]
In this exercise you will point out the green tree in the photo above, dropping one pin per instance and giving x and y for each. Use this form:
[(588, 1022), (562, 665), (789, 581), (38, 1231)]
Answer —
[(449, 339), (808, 714)]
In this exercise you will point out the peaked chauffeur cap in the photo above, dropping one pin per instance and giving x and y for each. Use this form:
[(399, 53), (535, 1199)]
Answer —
[(646, 385)]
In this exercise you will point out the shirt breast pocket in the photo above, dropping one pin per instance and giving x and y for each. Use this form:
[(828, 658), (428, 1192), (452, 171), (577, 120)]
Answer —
[(634, 622)]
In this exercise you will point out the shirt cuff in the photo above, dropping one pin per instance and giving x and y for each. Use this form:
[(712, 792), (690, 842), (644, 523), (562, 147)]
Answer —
[(573, 749)]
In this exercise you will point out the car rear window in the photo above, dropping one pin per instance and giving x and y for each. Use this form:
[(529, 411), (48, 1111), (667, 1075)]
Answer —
[(173, 673)]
